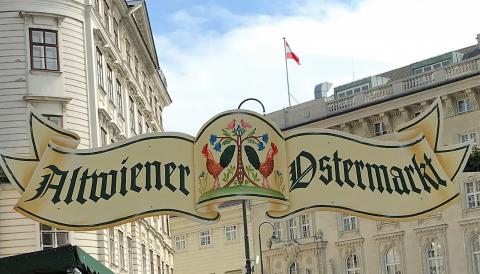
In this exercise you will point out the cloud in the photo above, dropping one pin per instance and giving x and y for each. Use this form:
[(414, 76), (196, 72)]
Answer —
[(216, 70)]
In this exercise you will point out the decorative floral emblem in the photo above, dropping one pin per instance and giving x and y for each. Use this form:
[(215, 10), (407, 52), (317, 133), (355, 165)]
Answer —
[(236, 139)]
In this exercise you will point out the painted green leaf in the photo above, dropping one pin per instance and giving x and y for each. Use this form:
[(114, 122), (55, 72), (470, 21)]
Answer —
[(226, 141), (251, 132), (226, 133), (252, 156), (227, 156)]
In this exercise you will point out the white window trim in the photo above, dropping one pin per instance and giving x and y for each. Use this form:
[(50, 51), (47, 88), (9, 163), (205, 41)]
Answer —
[(206, 236), (231, 233)]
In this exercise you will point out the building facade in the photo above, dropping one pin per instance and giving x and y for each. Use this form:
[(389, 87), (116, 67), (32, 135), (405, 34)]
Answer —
[(91, 67), (339, 243)]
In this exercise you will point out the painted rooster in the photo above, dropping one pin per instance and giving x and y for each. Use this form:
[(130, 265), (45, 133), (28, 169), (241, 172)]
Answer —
[(265, 168), (215, 168)]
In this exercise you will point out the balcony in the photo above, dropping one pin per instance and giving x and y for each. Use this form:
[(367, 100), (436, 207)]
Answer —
[(322, 108)]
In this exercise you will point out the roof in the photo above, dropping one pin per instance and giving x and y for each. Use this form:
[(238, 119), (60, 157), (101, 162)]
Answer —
[(53, 261)]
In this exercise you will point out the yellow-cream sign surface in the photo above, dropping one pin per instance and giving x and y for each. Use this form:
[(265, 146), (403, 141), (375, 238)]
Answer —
[(236, 155)]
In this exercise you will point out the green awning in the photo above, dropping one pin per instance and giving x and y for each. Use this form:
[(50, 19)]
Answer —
[(59, 260)]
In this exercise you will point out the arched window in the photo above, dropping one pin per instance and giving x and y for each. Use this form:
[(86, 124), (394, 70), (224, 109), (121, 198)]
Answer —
[(293, 269), (392, 262), (476, 253), (435, 263), (353, 265)]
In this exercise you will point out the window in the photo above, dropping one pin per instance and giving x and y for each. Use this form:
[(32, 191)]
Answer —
[(152, 263), (292, 229), (111, 244), (353, 90), (379, 129), (103, 136), (159, 265), (43, 49), (115, 32), (464, 105), (144, 82), (473, 194), (56, 119), (308, 271), (127, 52), (352, 264), (180, 242), (476, 254), (106, 14), (392, 262), (205, 238), (99, 68), (293, 269), (130, 254), (167, 221), (305, 225), (97, 5), (349, 222), (52, 237), (144, 259), (135, 67), (121, 249), (139, 117), (119, 97), (110, 84), (435, 258), (468, 137), (231, 232), (278, 231), (431, 67), (132, 115)]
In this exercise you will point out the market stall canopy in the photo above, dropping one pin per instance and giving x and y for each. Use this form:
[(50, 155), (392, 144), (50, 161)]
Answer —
[(59, 260)]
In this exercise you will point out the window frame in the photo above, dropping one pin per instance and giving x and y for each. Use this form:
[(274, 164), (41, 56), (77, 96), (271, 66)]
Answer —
[(118, 90), (231, 234), (475, 254), (180, 242), (355, 268), (467, 103), (130, 251), (111, 245), (100, 76), (439, 256), (54, 232), (295, 269), (305, 225), (475, 194), (44, 45), (109, 84), (396, 264), (352, 221), (292, 230), (121, 249), (381, 128), (205, 238)]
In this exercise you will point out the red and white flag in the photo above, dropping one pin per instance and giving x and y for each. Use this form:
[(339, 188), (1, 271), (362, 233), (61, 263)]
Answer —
[(289, 53)]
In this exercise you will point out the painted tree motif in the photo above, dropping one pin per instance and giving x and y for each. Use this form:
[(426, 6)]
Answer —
[(239, 138)]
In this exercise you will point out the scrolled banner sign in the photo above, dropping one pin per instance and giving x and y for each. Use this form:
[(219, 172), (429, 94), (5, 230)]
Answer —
[(236, 155)]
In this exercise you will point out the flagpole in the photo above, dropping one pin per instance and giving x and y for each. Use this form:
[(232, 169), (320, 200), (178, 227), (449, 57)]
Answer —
[(286, 69)]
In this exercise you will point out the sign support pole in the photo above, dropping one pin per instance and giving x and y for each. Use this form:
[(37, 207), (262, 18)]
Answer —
[(248, 266)]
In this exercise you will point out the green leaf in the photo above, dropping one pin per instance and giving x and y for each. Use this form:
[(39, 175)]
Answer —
[(252, 156), (227, 156), (251, 132), (226, 141)]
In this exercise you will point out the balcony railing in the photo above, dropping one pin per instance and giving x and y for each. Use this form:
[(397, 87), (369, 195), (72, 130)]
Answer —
[(329, 106)]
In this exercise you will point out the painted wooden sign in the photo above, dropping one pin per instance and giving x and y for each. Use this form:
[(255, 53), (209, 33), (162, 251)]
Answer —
[(238, 154)]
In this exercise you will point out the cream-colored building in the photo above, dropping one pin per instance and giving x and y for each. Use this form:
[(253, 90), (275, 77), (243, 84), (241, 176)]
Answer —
[(337, 243), (91, 67)]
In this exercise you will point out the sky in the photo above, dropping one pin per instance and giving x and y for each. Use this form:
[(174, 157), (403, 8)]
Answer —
[(215, 54)]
